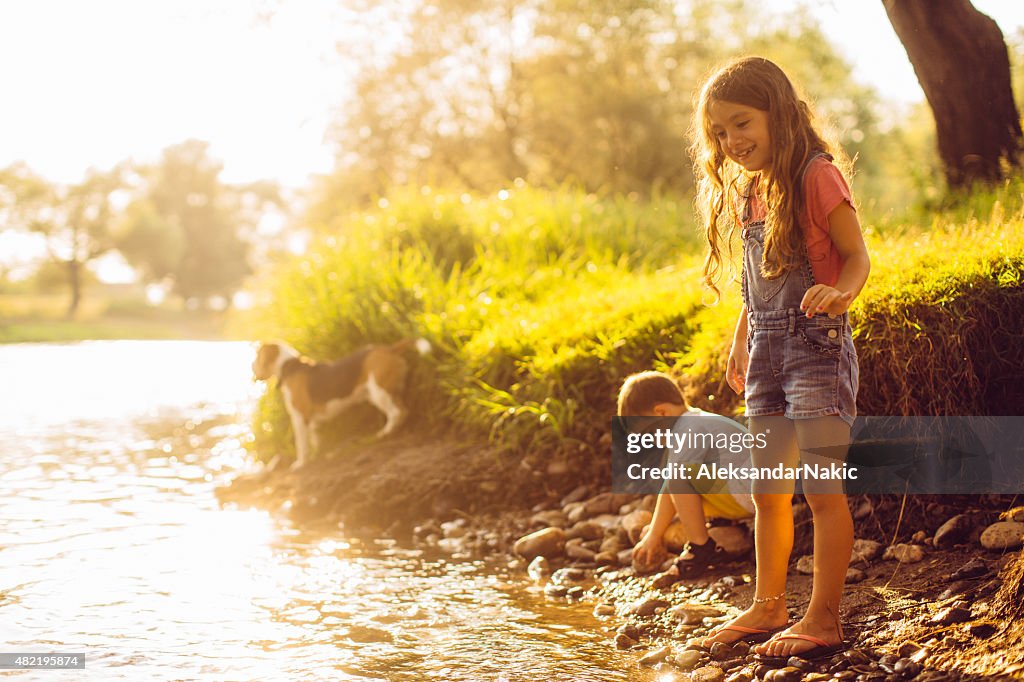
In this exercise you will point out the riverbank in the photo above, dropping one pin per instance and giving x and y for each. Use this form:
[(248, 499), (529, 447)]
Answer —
[(912, 609)]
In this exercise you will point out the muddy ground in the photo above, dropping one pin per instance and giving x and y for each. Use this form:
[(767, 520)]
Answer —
[(468, 499)]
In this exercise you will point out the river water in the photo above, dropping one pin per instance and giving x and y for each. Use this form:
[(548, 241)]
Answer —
[(112, 543)]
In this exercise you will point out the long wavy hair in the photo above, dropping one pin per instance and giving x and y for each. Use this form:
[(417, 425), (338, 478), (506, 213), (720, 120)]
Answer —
[(755, 82)]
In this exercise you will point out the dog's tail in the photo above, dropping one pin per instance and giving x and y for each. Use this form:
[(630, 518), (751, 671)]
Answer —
[(421, 345)]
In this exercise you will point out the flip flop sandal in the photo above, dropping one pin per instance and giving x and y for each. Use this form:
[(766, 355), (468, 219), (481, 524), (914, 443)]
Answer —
[(749, 635), (820, 650)]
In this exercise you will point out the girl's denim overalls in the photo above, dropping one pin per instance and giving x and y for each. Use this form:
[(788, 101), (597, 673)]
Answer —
[(799, 367)]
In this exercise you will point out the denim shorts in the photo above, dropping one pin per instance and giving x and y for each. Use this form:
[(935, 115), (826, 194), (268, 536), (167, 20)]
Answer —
[(800, 367)]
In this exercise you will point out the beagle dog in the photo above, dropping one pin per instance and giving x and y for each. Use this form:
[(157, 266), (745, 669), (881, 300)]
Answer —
[(315, 392)]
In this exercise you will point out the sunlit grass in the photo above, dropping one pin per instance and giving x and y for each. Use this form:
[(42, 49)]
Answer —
[(539, 303)]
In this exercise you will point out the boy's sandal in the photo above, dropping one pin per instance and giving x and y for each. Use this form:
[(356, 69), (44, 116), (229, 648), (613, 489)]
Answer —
[(702, 557), (820, 650)]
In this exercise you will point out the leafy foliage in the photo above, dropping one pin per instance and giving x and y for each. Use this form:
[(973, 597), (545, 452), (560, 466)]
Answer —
[(561, 299)]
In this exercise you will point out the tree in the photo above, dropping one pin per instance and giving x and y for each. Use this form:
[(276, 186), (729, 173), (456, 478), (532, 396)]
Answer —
[(74, 221), (478, 93), (961, 61), (186, 227)]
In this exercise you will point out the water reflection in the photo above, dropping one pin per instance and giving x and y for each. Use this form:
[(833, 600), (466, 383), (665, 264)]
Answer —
[(112, 543)]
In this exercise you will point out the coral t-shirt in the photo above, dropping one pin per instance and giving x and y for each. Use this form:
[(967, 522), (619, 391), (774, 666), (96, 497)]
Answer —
[(824, 189)]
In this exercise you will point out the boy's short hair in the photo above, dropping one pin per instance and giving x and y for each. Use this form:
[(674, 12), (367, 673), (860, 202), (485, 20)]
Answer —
[(642, 391)]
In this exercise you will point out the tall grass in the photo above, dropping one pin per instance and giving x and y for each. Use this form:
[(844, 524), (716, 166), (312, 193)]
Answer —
[(538, 303)]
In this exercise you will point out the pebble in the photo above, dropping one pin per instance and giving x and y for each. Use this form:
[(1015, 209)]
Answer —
[(908, 649), (646, 607), (983, 630), (629, 630), (550, 517), (553, 590), (953, 531), (568, 576), (549, 542), (606, 559), (745, 675), (656, 656), (800, 664), (612, 544), (539, 569), (907, 667), (604, 610), (844, 675), (786, 674), (1003, 535), (720, 651), (855, 575), (575, 550), (733, 539), (665, 579), (575, 593), (674, 537), (805, 565), (585, 530), (707, 674), (455, 529), (865, 551), (688, 659), (950, 616), (904, 553), (693, 614), (856, 657), (578, 493), (623, 641), (634, 523), (575, 512), (974, 568), (604, 503)]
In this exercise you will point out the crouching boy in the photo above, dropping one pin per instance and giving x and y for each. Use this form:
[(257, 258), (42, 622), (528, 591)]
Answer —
[(704, 438)]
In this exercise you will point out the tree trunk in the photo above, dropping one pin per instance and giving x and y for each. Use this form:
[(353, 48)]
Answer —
[(961, 61), (75, 280)]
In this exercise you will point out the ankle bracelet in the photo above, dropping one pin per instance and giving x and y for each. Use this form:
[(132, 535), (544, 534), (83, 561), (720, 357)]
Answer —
[(764, 600)]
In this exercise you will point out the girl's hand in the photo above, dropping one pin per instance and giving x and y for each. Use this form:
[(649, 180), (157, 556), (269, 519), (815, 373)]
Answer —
[(822, 298), (650, 551), (736, 370)]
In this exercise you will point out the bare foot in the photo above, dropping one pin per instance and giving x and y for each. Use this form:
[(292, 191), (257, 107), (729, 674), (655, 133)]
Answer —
[(766, 617), (829, 631)]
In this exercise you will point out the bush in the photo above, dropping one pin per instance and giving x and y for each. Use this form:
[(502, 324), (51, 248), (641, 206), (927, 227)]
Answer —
[(539, 303)]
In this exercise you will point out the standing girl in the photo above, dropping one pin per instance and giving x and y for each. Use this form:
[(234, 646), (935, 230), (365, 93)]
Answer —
[(764, 168)]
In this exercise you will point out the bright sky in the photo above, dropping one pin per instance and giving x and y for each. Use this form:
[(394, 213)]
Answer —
[(92, 83)]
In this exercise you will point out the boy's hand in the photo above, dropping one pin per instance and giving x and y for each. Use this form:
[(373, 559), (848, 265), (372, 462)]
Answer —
[(736, 370), (822, 298), (649, 552)]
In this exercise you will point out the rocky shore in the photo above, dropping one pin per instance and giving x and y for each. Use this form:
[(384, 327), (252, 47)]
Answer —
[(923, 609), (931, 581)]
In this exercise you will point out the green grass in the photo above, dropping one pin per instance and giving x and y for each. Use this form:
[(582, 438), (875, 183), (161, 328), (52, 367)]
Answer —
[(41, 318), (539, 303)]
